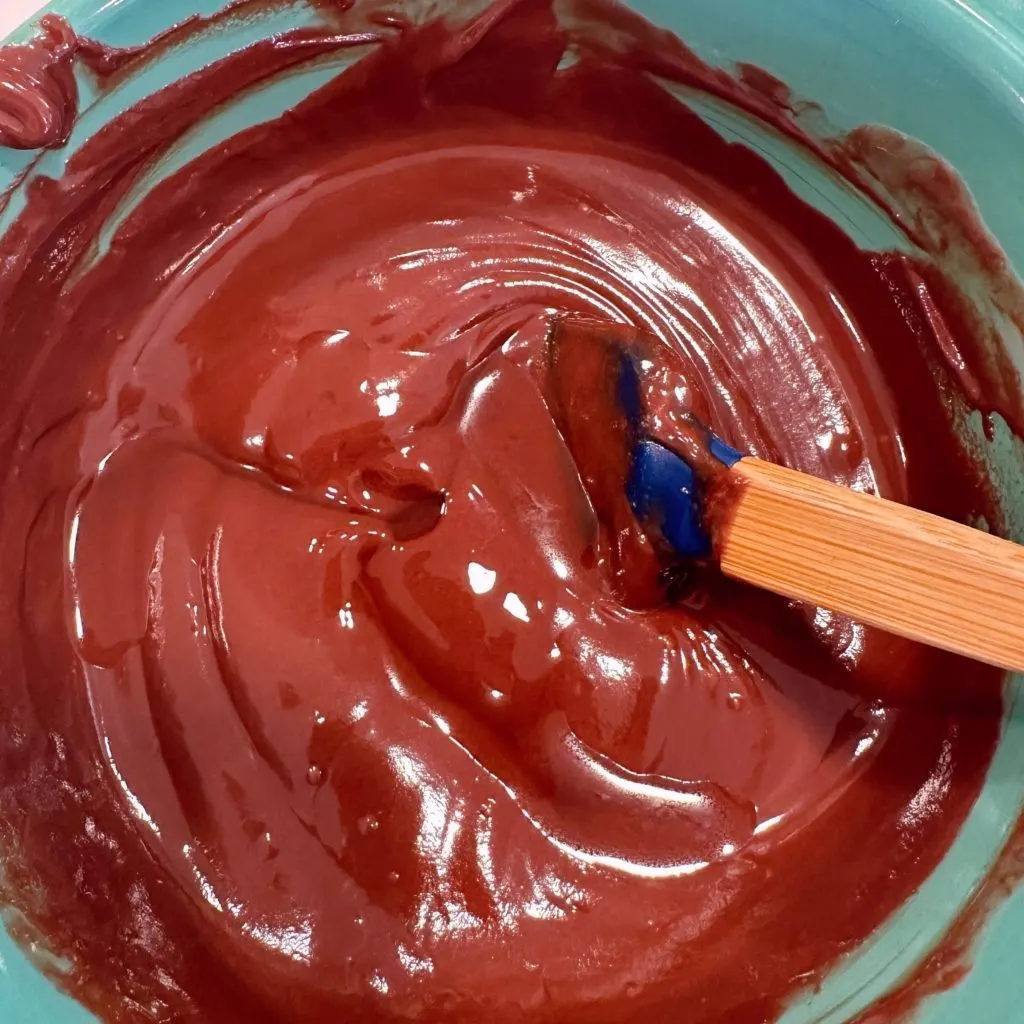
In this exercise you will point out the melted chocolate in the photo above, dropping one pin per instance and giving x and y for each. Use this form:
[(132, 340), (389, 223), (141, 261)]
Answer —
[(39, 99), (326, 693)]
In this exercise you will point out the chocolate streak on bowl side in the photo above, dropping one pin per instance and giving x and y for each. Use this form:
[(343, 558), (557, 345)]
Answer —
[(318, 702), (39, 104)]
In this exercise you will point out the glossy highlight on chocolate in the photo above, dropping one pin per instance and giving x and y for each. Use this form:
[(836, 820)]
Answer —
[(328, 689)]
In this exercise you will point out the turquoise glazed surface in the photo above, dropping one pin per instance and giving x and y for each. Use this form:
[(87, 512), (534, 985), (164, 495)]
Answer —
[(949, 72)]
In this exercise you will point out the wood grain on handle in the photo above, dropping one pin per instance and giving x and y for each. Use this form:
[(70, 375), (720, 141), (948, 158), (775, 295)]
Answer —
[(881, 563)]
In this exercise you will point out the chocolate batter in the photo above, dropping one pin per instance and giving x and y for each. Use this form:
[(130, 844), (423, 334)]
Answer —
[(327, 690)]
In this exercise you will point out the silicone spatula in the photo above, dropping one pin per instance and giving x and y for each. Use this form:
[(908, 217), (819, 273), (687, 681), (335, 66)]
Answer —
[(887, 565)]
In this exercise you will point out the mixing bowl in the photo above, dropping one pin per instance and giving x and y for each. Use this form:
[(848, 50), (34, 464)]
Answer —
[(948, 72)]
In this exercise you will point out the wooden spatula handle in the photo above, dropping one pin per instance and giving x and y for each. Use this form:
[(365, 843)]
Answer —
[(905, 571)]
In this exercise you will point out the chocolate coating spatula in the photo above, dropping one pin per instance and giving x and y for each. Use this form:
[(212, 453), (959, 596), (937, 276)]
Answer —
[(899, 569)]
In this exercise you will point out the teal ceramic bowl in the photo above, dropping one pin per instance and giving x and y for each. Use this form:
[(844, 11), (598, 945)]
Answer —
[(950, 73)]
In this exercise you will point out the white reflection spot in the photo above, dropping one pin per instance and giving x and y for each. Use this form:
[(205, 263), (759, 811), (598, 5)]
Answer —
[(209, 894), (514, 606), (564, 618), (477, 394), (387, 405), (864, 745), (561, 569), (614, 668), (436, 839), (767, 825), (138, 808), (294, 943), (481, 579), (928, 798), (76, 523), (415, 964)]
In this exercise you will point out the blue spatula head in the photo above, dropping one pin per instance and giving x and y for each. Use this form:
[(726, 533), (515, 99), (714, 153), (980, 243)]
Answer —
[(598, 379), (666, 497), (663, 488)]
